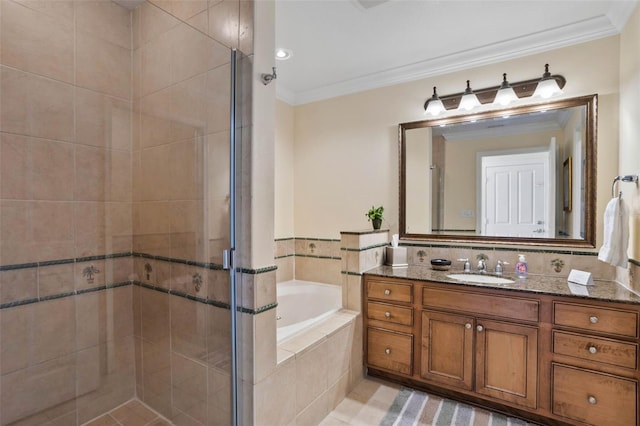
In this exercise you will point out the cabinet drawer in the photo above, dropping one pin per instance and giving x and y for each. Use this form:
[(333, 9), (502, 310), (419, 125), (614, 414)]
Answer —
[(390, 351), (393, 292), (597, 319), (606, 351), (390, 313), (594, 398), (481, 304)]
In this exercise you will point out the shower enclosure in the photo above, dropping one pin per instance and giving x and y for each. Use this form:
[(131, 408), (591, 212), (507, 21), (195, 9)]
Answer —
[(117, 200)]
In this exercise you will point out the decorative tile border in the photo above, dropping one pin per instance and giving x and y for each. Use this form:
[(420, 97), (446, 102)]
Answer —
[(284, 256), (308, 255), (206, 265), (257, 271), (491, 248), (206, 301), (364, 248), (365, 232), (316, 257), (259, 310), (76, 292)]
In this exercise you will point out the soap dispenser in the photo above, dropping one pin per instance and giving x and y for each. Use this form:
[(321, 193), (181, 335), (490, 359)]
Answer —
[(521, 267)]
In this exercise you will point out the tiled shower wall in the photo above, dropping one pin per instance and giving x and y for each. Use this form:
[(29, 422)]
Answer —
[(114, 132), (65, 202), (181, 64)]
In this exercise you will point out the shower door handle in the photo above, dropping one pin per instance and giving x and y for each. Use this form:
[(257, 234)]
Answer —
[(228, 259)]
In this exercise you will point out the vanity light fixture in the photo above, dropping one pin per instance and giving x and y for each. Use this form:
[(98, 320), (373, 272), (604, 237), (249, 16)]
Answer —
[(435, 105), (545, 87), (469, 99), (505, 94)]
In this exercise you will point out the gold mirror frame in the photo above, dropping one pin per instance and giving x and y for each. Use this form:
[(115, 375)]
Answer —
[(590, 102)]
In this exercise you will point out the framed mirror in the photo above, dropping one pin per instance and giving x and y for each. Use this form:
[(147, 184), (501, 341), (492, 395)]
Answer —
[(524, 175)]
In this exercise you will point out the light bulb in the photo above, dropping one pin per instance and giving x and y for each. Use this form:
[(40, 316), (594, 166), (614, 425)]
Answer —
[(505, 94), (469, 100), (434, 105), (547, 86)]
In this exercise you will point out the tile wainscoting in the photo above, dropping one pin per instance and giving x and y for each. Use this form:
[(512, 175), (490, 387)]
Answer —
[(108, 328)]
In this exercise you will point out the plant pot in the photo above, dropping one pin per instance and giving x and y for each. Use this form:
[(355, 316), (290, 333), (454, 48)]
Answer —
[(377, 223)]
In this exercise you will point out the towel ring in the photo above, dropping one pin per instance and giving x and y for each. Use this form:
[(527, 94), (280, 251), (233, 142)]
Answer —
[(626, 178)]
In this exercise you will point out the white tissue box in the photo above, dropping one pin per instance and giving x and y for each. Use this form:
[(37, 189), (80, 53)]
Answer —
[(580, 277), (396, 256)]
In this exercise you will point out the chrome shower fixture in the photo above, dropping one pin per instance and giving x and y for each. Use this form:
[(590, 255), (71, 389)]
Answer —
[(268, 78)]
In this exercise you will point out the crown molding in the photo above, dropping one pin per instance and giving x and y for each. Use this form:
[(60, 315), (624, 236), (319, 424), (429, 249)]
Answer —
[(285, 95), (580, 32), (620, 12)]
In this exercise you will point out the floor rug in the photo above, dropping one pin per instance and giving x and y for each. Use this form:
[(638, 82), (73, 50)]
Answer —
[(412, 407)]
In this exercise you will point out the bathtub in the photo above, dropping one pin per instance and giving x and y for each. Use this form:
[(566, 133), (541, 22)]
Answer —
[(304, 303)]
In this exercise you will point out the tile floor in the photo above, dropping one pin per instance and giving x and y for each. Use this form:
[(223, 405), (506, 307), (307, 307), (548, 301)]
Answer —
[(366, 405), (132, 413)]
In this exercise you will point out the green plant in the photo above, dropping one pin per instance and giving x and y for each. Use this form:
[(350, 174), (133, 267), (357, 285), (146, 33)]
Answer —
[(374, 213)]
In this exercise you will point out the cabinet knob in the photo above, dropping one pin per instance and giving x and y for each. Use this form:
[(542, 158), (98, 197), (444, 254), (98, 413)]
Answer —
[(593, 349), (387, 292), (387, 314), (593, 319), (479, 328), (467, 326), (592, 400), (387, 351)]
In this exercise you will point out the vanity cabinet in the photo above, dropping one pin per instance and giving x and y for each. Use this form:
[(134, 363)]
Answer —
[(594, 374), (389, 331), (552, 359), (501, 356)]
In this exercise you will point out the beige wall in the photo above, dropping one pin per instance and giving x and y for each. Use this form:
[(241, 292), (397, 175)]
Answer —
[(629, 153), (284, 180), (346, 155)]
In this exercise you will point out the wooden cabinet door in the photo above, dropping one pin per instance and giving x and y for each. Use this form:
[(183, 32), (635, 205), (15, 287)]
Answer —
[(507, 362), (447, 349)]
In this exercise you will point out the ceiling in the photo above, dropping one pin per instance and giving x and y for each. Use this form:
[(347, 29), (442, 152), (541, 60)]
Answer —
[(347, 46)]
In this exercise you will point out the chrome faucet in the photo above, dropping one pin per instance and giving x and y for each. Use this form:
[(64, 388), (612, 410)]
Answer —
[(499, 267), (467, 265), (482, 266)]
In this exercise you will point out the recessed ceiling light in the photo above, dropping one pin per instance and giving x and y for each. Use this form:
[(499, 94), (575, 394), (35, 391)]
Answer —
[(283, 54)]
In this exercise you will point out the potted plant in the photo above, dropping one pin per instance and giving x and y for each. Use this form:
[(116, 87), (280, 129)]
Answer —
[(375, 216)]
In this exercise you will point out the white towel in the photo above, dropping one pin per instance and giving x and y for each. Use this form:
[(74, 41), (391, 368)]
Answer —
[(616, 233)]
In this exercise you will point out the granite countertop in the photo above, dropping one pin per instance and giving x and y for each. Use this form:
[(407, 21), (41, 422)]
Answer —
[(541, 284)]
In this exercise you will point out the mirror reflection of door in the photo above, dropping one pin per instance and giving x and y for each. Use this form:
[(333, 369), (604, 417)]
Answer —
[(419, 180), (516, 194)]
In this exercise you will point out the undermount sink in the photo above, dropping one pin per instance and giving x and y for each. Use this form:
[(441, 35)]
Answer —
[(482, 279)]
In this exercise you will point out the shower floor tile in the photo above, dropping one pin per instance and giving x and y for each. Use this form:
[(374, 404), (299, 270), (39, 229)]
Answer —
[(132, 413)]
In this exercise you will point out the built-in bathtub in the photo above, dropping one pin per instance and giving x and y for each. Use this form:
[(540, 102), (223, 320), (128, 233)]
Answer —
[(301, 304)]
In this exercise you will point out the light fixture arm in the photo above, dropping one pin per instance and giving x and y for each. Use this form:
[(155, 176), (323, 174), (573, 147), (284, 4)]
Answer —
[(268, 78), (523, 89)]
